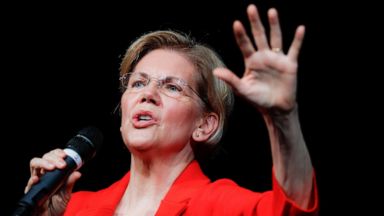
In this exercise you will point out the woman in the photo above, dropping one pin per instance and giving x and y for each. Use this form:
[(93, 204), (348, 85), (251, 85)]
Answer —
[(168, 85)]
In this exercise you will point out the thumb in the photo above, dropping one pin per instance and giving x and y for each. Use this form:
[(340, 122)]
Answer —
[(227, 76), (72, 180)]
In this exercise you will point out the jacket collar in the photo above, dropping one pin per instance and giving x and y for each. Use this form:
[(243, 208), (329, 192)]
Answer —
[(182, 190), (177, 198)]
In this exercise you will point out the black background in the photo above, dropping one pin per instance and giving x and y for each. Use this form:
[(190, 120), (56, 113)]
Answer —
[(60, 74)]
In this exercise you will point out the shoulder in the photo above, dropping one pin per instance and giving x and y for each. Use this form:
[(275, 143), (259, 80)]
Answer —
[(229, 189), (193, 184), (224, 197)]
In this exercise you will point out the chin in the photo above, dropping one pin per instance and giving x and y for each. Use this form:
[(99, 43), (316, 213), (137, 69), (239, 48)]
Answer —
[(139, 146)]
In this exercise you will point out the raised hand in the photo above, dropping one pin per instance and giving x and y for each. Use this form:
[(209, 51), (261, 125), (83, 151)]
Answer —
[(270, 76)]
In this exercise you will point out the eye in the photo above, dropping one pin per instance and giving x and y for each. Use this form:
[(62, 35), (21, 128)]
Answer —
[(138, 83), (173, 87)]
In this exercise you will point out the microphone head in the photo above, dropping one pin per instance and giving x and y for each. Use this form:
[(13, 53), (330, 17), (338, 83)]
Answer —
[(93, 134), (86, 142)]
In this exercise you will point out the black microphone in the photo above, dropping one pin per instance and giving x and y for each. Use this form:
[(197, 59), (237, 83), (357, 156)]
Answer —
[(79, 150)]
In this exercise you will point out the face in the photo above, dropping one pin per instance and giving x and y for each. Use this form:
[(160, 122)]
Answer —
[(156, 116)]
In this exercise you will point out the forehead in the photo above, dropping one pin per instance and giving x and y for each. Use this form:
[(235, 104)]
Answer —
[(163, 62)]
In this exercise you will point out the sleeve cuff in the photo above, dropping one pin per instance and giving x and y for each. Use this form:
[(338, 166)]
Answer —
[(280, 197)]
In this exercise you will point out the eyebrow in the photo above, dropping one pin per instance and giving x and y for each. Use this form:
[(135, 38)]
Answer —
[(161, 77)]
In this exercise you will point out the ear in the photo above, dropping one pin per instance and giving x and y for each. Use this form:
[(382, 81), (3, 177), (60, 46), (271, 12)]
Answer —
[(206, 127)]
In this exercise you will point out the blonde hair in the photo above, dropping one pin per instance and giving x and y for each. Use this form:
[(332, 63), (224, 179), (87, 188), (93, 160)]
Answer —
[(216, 94)]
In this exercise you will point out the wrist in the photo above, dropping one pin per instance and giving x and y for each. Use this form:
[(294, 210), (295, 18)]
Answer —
[(275, 113)]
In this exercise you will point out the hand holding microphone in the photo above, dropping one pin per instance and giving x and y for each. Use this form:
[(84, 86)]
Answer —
[(50, 162), (45, 191)]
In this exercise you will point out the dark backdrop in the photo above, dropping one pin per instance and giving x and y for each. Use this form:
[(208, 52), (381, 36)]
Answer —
[(61, 72)]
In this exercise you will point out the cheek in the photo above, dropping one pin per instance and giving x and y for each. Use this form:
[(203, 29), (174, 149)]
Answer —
[(180, 115), (126, 104)]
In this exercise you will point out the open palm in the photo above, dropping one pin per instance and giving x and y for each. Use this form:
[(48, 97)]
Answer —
[(269, 79)]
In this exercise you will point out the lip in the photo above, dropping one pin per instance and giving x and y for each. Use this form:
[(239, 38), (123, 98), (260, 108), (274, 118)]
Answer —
[(137, 123)]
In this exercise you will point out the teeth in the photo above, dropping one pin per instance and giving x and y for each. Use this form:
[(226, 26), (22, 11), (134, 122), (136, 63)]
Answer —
[(144, 117)]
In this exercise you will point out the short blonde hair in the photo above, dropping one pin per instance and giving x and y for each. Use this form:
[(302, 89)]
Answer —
[(216, 94)]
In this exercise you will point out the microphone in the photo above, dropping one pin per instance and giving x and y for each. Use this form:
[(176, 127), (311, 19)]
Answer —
[(80, 149)]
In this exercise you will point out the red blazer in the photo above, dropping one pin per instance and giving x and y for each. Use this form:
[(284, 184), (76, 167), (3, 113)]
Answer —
[(193, 193)]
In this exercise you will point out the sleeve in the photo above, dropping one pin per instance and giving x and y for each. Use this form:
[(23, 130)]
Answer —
[(225, 197), (277, 203)]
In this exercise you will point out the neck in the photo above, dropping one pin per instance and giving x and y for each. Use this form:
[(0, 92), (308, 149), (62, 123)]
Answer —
[(156, 173), (150, 179)]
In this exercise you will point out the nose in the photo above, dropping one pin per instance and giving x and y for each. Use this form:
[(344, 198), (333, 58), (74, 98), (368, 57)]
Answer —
[(150, 93)]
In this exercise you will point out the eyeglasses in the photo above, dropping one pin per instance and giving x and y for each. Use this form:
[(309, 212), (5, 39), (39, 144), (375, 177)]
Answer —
[(168, 85)]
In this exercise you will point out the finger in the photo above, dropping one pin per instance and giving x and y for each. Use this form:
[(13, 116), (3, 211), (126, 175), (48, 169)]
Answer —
[(33, 180), (242, 39), (59, 152), (56, 157), (294, 50), (227, 76), (72, 180), (37, 164), (276, 37), (257, 28)]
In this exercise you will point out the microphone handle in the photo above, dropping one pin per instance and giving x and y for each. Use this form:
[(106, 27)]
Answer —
[(48, 184)]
